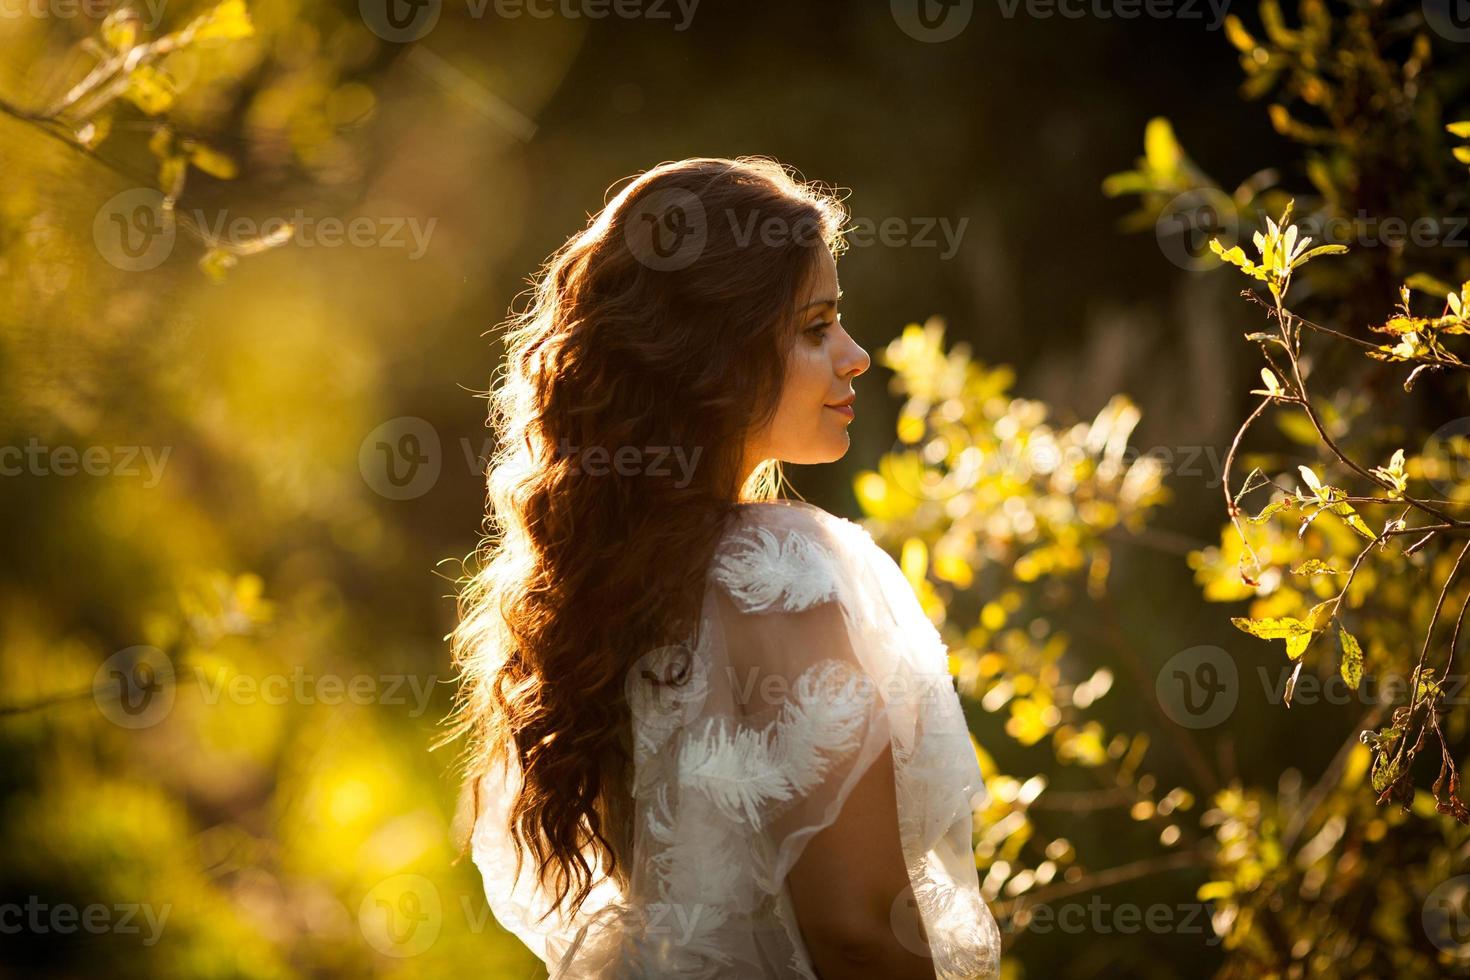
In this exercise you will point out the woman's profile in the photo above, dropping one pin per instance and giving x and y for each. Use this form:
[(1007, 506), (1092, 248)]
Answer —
[(710, 732)]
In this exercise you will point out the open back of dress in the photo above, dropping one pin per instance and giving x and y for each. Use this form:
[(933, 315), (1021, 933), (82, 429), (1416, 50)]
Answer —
[(813, 656)]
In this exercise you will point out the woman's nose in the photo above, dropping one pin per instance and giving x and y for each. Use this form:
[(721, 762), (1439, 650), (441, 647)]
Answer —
[(856, 360)]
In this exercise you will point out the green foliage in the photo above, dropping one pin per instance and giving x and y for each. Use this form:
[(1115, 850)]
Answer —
[(1355, 91), (1319, 883), (1002, 521), (138, 72), (286, 791), (1281, 255), (1278, 249)]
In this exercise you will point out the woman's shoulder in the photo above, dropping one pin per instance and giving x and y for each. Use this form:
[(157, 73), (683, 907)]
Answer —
[(787, 555), (794, 515)]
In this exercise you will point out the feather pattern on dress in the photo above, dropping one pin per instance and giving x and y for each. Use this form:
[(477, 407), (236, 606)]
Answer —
[(761, 569)]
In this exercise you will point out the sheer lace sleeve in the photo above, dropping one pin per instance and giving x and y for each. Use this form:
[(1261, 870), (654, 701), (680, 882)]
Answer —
[(813, 657), (520, 904), (797, 680), (828, 645)]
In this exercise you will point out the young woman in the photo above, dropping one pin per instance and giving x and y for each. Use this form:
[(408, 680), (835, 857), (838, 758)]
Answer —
[(711, 732)]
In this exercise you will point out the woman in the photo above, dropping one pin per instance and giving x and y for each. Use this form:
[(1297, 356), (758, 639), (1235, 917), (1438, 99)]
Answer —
[(712, 733)]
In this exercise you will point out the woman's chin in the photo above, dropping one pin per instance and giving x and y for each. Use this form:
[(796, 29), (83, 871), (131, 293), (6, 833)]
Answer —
[(829, 449), (838, 446)]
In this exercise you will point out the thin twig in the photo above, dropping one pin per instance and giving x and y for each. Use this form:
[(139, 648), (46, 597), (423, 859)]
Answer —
[(1454, 639), (1284, 317), (1439, 604), (55, 130), (1103, 879)]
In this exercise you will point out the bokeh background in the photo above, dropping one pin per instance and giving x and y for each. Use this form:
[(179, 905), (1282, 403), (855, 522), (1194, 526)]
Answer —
[(249, 487)]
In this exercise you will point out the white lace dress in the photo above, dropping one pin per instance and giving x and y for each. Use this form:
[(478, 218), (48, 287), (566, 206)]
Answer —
[(813, 657)]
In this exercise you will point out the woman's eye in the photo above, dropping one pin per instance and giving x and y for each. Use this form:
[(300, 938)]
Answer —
[(816, 330)]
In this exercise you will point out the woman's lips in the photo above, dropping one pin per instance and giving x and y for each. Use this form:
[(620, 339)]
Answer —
[(844, 410)]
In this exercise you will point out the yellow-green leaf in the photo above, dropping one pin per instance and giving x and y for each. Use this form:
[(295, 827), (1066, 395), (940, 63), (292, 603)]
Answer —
[(1311, 479), (1353, 520), (212, 162), (1159, 145), (1215, 890), (1400, 325), (1310, 254), (1297, 645), (120, 29), (1234, 255), (1272, 627), (171, 173), (227, 21), (1386, 770), (149, 89), (1426, 283), (1237, 35), (1270, 509), (1126, 182), (1320, 614), (1352, 658), (160, 144), (1316, 566), (914, 560)]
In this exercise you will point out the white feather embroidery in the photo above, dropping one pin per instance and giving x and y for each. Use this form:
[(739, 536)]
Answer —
[(824, 723), (760, 570), (735, 770), (740, 771)]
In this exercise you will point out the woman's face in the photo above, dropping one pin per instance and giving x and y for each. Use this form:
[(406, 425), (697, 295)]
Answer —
[(815, 407)]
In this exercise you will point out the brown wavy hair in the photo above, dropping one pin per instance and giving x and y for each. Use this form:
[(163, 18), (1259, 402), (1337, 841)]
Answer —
[(664, 323)]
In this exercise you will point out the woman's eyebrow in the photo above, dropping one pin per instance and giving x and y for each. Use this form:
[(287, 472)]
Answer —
[(822, 302)]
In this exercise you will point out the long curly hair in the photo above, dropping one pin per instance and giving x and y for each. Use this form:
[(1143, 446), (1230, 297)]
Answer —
[(660, 329)]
